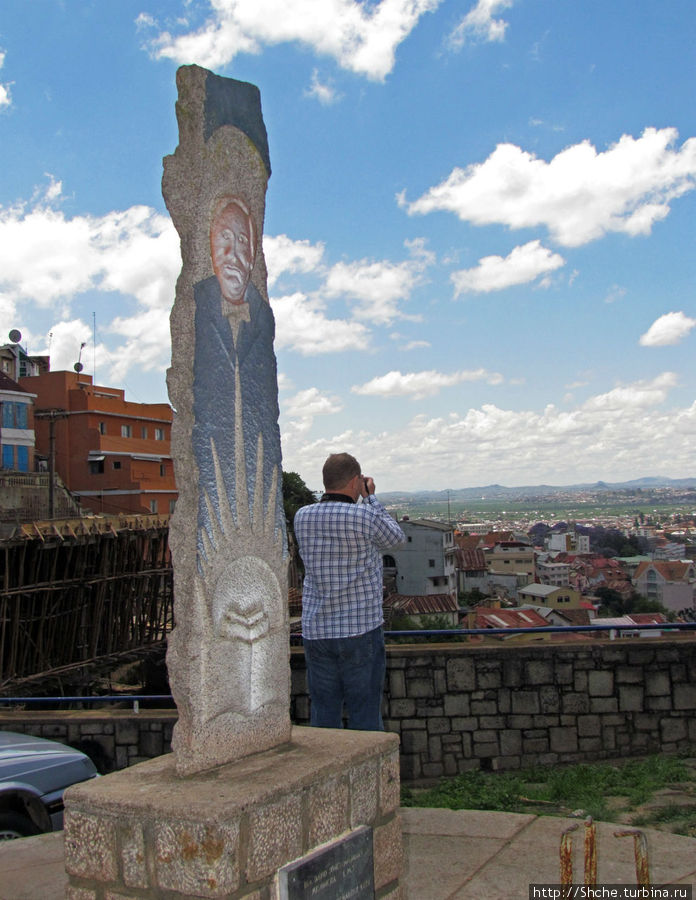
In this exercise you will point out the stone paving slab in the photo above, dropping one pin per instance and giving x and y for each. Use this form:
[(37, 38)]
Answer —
[(33, 868), (449, 855)]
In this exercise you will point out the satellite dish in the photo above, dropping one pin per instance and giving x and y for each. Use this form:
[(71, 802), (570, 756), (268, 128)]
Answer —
[(78, 367), (15, 336)]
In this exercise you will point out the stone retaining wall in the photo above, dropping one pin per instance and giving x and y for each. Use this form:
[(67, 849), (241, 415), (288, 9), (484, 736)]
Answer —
[(113, 738), (460, 707)]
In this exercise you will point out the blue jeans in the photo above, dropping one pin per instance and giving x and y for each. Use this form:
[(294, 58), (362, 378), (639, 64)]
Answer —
[(346, 670)]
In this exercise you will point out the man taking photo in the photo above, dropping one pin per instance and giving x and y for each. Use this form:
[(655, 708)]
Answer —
[(341, 542)]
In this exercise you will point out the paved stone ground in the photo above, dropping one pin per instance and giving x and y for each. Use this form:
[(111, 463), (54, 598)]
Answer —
[(449, 855)]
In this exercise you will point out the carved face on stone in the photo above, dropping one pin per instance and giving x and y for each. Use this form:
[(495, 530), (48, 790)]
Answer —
[(232, 249)]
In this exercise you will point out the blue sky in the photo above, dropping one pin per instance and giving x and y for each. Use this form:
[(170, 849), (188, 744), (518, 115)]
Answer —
[(479, 228)]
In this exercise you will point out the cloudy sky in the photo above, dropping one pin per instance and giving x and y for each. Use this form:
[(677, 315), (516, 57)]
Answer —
[(479, 228)]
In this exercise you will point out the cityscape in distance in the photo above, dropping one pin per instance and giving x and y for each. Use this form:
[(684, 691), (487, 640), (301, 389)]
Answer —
[(658, 500)]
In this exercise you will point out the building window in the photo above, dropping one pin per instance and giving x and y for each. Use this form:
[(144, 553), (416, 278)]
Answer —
[(23, 459), (96, 466), (7, 456), (102, 428), (126, 431), (14, 415), (172, 504), (143, 432), (431, 563), (153, 506), (163, 470), (409, 538), (117, 464), (159, 434)]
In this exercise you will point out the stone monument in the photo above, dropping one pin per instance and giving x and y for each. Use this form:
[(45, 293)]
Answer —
[(246, 806), (228, 654)]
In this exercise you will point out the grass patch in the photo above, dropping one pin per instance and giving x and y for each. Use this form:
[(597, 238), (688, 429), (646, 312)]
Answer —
[(554, 791)]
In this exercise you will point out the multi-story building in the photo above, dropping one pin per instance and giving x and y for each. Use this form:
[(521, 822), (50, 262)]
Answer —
[(551, 572), (16, 426), (512, 558), (569, 542), (425, 564), (673, 584), (15, 362), (112, 454), (551, 596)]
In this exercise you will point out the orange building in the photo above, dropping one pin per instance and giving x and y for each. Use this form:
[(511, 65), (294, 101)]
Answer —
[(113, 455)]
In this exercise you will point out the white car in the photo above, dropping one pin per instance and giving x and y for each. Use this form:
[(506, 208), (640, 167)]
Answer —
[(34, 773)]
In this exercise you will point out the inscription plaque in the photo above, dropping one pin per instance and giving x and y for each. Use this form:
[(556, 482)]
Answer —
[(341, 871)]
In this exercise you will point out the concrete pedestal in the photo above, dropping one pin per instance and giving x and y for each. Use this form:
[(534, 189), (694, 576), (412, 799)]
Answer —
[(147, 832)]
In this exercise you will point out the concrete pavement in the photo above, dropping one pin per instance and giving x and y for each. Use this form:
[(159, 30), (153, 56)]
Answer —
[(449, 855)]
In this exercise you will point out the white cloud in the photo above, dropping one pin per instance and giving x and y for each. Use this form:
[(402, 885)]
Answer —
[(636, 396), (48, 260), (5, 97), (145, 20), (286, 255), (616, 292), (362, 37), (323, 91), (300, 411), (494, 273), (302, 326), (668, 330), (421, 384), (479, 24), (579, 196), (45, 256), (378, 287), (611, 437)]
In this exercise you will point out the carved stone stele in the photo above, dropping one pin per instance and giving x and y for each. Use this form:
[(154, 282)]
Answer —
[(228, 656)]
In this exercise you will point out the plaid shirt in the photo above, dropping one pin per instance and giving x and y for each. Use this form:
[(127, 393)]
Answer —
[(340, 544)]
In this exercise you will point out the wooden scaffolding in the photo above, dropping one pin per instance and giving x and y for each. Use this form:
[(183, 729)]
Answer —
[(74, 592)]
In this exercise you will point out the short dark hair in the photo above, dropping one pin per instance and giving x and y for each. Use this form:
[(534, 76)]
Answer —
[(338, 470)]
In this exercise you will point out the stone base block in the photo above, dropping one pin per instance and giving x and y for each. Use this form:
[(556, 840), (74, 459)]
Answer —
[(147, 832)]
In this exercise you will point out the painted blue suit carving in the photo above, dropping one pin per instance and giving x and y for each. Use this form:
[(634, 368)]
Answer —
[(214, 400)]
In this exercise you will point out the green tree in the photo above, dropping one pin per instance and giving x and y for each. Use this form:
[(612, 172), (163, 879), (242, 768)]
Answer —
[(295, 495), (474, 597), (612, 602)]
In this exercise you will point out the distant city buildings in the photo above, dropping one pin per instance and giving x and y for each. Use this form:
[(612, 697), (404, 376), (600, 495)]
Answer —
[(564, 581), (425, 564)]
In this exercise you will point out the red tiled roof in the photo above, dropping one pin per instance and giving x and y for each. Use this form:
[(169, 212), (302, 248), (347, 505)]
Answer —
[(670, 570), (471, 560), (7, 384), (576, 616), (421, 604), (507, 618), (467, 541), (647, 618), (495, 537)]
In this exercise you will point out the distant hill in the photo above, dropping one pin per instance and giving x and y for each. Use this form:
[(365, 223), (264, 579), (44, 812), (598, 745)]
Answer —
[(500, 492)]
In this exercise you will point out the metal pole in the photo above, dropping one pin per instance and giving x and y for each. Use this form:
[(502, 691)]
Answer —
[(51, 465)]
